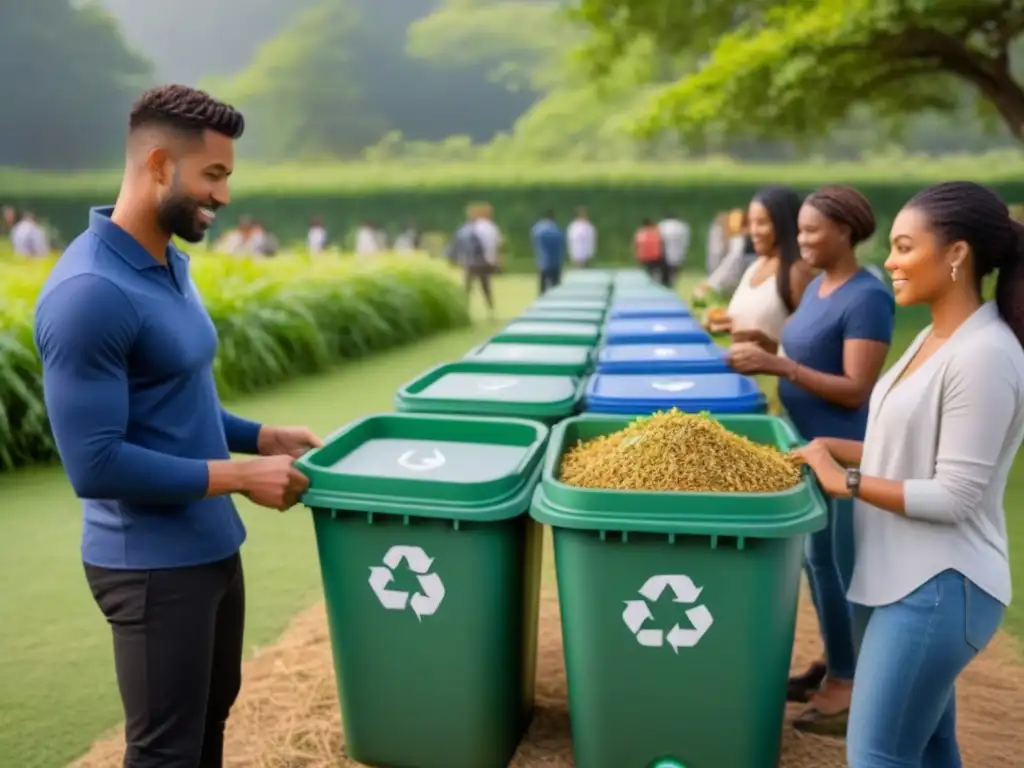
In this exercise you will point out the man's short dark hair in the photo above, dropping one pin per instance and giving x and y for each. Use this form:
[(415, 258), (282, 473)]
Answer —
[(185, 110)]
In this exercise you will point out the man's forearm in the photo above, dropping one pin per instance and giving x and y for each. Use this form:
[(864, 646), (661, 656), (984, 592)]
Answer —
[(242, 434)]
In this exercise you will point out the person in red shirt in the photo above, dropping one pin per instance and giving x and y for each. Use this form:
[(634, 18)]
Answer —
[(650, 252)]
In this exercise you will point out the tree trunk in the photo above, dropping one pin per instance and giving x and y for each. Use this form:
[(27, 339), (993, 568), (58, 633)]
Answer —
[(1007, 96)]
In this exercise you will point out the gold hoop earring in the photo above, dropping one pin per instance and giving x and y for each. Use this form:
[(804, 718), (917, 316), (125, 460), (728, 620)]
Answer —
[(952, 273)]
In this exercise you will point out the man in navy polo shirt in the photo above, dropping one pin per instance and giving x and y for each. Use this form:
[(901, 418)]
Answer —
[(127, 351)]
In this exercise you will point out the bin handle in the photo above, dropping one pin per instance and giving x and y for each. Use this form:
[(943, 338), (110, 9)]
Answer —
[(794, 440), (815, 487)]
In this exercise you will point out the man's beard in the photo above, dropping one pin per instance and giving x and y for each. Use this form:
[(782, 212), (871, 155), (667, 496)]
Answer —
[(178, 214)]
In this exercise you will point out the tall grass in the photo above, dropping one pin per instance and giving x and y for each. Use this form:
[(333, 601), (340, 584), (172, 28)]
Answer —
[(276, 319)]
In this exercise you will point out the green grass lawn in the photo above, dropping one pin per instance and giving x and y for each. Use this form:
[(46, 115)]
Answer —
[(57, 690)]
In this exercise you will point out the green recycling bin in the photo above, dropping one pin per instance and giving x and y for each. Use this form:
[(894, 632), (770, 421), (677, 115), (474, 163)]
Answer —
[(536, 358), (431, 574), (549, 332), (579, 291), (591, 305), (633, 278), (587, 276), (542, 314), (678, 610), (492, 389)]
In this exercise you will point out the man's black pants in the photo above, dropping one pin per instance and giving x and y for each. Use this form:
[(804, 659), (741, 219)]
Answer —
[(178, 657)]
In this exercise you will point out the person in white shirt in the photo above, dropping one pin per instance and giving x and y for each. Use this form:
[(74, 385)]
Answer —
[(490, 236), (316, 240), (717, 243), (408, 239), (28, 238), (367, 240), (581, 240), (675, 238)]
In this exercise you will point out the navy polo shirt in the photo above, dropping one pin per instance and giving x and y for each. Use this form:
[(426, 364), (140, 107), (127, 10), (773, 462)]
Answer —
[(127, 349)]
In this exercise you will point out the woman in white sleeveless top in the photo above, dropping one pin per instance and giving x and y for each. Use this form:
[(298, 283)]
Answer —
[(771, 287)]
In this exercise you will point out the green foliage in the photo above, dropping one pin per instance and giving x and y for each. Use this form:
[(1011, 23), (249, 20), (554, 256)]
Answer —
[(277, 319), (520, 42), (68, 81), (296, 93), (795, 68)]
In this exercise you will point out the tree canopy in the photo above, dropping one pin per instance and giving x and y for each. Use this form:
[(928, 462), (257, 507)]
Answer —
[(796, 68)]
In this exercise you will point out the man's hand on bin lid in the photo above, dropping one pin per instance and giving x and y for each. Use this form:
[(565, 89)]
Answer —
[(290, 441)]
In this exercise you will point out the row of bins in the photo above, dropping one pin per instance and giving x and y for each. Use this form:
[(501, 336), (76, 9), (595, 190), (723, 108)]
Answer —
[(429, 531)]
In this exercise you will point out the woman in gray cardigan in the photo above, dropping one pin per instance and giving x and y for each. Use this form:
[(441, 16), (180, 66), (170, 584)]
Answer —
[(931, 577)]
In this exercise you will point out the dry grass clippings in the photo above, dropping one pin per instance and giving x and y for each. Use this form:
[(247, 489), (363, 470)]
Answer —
[(675, 451), (287, 715)]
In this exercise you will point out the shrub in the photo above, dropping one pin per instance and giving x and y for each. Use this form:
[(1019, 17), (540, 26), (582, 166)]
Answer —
[(277, 319)]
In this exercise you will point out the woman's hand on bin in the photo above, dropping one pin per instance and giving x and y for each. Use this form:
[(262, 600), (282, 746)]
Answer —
[(750, 358), (831, 476), (753, 337)]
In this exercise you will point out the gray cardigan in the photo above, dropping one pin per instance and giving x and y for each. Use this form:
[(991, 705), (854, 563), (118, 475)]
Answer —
[(950, 431)]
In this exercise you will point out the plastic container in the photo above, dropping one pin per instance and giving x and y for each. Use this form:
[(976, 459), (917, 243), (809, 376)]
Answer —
[(662, 359), (678, 611), (644, 294), (431, 573), (644, 394), (602, 277), (578, 291), (633, 278), (540, 314), (648, 310), (492, 389), (679, 330), (536, 358), (574, 304), (549, 332)]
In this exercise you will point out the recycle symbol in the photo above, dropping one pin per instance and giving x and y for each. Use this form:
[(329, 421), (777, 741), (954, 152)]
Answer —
[(423, 603), (637, 613)]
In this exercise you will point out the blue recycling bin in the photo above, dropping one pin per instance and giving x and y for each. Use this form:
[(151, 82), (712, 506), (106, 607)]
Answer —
[(662, 359), (649, 310), (644, 394), (668, 330)]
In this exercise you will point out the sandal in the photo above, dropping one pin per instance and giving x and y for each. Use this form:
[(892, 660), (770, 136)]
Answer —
[(800, 688), (813, 720)]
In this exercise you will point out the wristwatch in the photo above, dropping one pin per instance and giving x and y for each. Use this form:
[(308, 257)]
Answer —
[(853, 481)]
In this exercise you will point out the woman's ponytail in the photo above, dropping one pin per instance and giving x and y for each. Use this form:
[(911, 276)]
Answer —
[(1010, 281)]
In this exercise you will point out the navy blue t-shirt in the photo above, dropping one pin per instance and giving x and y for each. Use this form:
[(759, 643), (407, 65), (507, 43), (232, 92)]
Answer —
[(861, 308)]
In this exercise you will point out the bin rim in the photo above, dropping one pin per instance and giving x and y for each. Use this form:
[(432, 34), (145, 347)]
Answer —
[(604, 510), (506, 503), (753, 397), (408, 401)]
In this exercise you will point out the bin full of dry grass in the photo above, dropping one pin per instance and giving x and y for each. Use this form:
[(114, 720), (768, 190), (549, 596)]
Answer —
[(675, 451)]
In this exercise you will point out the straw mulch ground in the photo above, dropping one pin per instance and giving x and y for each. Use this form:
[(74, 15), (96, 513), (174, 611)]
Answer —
[(287, 715)]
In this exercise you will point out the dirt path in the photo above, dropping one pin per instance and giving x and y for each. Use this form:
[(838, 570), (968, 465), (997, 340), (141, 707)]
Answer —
[(287, 715)]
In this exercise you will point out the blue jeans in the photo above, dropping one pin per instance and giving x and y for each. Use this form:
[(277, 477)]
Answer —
[(903, 713), (829, 563)]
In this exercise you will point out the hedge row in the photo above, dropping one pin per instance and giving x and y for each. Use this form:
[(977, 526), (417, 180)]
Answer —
[(616, 207), (276, 319)]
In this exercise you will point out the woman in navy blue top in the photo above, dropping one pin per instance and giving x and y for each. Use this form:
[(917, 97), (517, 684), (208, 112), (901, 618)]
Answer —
[(835, 345)]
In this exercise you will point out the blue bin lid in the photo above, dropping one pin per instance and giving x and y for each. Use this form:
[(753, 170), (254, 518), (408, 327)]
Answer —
[(697, 392), (652, 309), (662, 358), (667, 330)]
